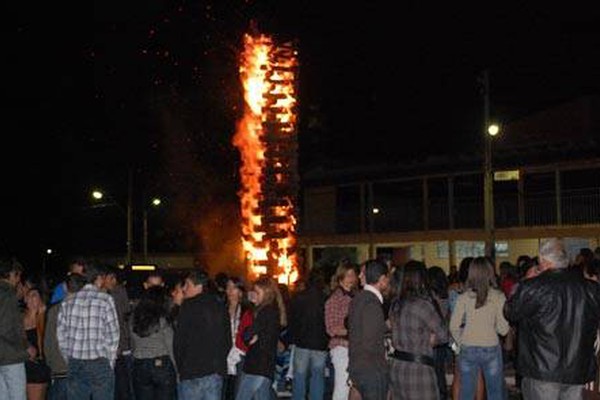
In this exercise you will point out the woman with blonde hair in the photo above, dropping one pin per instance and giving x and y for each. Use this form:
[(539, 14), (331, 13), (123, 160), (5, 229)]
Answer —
[(344, 283), (37, 372), (480, 309), (262, 338)]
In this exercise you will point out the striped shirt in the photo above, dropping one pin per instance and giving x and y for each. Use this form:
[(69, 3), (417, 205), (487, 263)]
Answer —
[(88, 326)]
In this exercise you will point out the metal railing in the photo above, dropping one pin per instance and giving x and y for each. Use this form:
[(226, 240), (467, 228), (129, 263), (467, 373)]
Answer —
[(577, 207)]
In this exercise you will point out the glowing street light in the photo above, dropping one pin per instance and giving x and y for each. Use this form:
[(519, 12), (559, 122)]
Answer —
[(493, 129), (156, 202), (376, 210), (97, 195), (49, 251)]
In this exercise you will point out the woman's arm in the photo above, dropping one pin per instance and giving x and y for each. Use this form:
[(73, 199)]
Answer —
[(457, 318)]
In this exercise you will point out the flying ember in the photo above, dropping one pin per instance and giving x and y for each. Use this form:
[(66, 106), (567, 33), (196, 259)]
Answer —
[(267, 140)]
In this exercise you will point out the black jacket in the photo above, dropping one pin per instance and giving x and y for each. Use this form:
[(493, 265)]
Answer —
[(307, 320), (558, 316), (202, 339), (13, 346), (366, 329), (261, 356)]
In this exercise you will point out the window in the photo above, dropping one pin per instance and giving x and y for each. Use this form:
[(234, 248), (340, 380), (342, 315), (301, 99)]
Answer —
[(466, 249)]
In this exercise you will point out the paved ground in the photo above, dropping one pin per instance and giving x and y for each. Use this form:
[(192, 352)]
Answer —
[(513, 393)]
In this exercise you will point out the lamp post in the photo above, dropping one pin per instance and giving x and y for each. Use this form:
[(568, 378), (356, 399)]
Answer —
[(98, 195), (156, 202), (490, 131), (45, 258)]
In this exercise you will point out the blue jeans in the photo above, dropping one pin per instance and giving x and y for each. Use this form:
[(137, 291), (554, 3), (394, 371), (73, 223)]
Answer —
[(124, 378), (254, 387), (58, 389), (489, 360), (154, 378), (13, 381), (309, 362), (90, 378), (205, 388)]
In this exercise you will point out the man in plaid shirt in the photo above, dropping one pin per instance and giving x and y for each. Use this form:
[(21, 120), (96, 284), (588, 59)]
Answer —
[(88, 337)]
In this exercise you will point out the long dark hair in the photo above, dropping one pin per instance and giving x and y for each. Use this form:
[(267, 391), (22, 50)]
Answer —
[(481, 279), (411, 283), (438, 282), (149, 311)]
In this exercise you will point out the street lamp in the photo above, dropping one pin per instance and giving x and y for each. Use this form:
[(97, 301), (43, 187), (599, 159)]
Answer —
[(493, 129), (156, 202), (98, 195), (45, 259)]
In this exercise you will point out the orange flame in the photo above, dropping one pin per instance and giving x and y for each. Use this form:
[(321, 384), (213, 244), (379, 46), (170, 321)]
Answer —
[(268, 232)]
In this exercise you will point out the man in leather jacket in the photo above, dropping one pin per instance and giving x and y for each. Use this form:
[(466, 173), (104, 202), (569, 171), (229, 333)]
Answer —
[(558, 316)]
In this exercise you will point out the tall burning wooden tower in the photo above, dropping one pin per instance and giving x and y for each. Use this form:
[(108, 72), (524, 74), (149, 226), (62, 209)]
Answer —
[(267, 140)]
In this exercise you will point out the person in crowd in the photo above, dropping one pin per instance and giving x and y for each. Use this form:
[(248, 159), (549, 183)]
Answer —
[(154, 278), (202, 340), (284, 361), (367, 365), (154, 376), (455, 291), (237, 306), (309, 336), (336, 318), (13, 345), (508, 278), (124, 363), (438, 285), (584, 257), (88, 338), (453, 275), (36, 369), (55, 360), (76, 266), (557, 314), (418, 325), (176, 300), (262, 339), (592, 270), (220, 286), (244, 334), (479, 308)]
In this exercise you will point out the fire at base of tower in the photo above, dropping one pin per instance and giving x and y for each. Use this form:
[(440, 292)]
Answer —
[(267, 140)]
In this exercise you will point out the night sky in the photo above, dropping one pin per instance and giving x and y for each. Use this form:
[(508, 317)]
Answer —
[(93, 90)]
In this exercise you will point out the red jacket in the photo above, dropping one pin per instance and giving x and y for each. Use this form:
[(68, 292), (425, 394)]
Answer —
[(246, 321)]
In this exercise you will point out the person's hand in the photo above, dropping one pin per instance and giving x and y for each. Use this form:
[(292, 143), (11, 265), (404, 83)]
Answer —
[(253, 340), (32, 351), (280, 346), (432, 340)]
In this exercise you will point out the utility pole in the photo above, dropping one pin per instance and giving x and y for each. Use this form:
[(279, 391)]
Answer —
[(488, 179), (130, 218), (145, 235)]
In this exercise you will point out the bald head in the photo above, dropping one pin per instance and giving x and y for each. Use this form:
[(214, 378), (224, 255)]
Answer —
[(553, 255)]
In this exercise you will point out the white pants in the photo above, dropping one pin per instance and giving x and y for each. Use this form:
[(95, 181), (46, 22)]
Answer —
[(339, 359)]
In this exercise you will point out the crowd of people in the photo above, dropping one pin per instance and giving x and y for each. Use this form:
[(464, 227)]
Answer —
[(373, 331)]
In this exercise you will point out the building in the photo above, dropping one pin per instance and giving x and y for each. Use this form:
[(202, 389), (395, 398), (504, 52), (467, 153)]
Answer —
[(547, 184)]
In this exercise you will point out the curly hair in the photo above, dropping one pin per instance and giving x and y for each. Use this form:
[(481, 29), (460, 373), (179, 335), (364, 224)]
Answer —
[(149, 311)]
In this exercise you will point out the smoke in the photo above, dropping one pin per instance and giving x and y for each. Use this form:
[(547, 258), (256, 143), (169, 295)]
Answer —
[(198, 175)]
